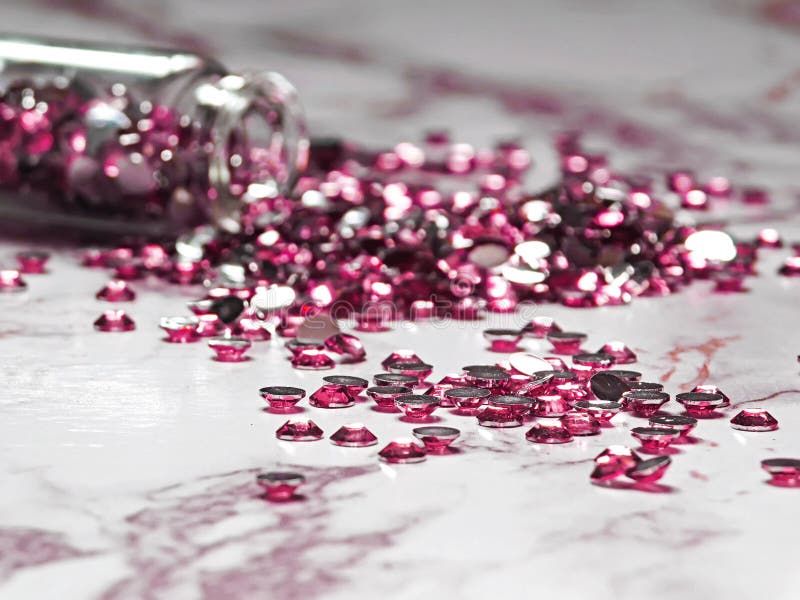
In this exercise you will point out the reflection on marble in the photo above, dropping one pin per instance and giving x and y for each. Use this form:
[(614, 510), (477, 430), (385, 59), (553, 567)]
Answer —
[(128, 464)]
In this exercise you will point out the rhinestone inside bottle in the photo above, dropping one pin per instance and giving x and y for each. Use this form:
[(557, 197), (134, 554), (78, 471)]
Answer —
[(11, 281), (580, 423), (754, 419), (503, 340), (547, 433), (32, 262), (436, 439), (331, 396), (279, 486), (229, 349), (700, 405), (520, 406), (299, 430), (114, 320), (384, 396), (180, 330), (280, 398), (310, 359), (785, 472), (566, 342), (498, 416), (354, 385), (608, 386), (417, 407), (468, 399), (645, 403), (402, 451), (116, 290), (354, 435), (649, 471), (654, 440)]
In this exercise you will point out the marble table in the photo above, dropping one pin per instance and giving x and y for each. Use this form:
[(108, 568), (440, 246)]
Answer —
[(128, 464)]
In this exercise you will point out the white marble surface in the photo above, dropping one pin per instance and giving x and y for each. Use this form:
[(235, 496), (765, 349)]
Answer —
[(127, 464)]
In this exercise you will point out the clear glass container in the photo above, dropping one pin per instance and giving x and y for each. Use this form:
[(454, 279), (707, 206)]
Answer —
[(140, 140)]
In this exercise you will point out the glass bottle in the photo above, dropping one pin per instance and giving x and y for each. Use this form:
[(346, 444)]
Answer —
[(140, 140)]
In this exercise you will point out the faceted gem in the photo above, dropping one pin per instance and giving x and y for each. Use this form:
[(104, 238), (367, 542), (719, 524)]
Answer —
[(400, 356), (353, 435), (295, 346), (209, 326), (601, 410), (417, 407), (279, 486), (252, 328), (524, 385), (354, 385), (649, 471), (179, 330), (626, 375), (785, 472), (385, 396), (528, 364), (557, 377), (566, 342), (608, 386), (700, 405), (754, 419), (593, 362), (539, 327), (419, 370), (402, 451), (520, 406), (654, 440), (299, 430), (550, 405), (644, 403), (712, 389), (448, 382), (32, 262), (468, 399), (503, 340), (546, 433), (580, 423), (114, 320), (498, 416), (312, 360), (11, 281), (229, 349), (680, 424), (280, 398), (347, 345), (116, 290), (613, 462), (436, 439), (489, 378), (384, 379), (572, 392), (331, 396), (621, 354)]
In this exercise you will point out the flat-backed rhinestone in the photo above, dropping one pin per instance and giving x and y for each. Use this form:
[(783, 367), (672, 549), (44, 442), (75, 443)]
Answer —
[(700, 405), (180, 330), (279, 486), (580, 423), (331, 396), (497, 416), (281, 398), (654, 440), (299, 430), (785, 472), (547, 433), (520, 406), (417, 407), (353, 435), (468, 399), (550, 406), (754, 419), (229, 349), (566, 342), (402, 451), (649, 471), (384, 396), (114, 321), (436, 439), (503, 340)]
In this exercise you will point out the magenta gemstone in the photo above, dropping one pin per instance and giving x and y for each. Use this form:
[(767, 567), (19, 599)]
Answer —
[(400, 356), (654, 440), (649, 471), (503, 340), (468, 399), (114, 320), (417, 407), (785, 472), (621, 354), (32, 262), (713, 389), (436, 439), (539, 327), (353, 435), (11, 281), (229, 349), (419, 370), (281, 399), (700, 405), (547, 433), (550, 405), (402, 451), (498, 417), (353, 385), (448, 382), (331, 396), (680, 424), (601, 410), (644, 403), (754, 419), (384, 396), (310, 359), (580, 423), (250, 327), (566, 342), (299, 430), (279, 486), (613, 462), (347, 345), (116, 290), (180, 330)]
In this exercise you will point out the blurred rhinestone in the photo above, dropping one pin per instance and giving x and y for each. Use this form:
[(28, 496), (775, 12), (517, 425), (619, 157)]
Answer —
[(116, 290), (785, 472), (346, 344), (179, 330), (114, 320), (400, 356), (540, 327), (229, 349), (11, 281), (566, 342), (279, 486), (621, 354), (502, 340), (32, 262), (612, 463)]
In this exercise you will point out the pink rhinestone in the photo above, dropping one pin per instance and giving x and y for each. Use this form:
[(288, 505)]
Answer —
[(436, 439), (566, 342), (468, 399), (754, 419), (523, 385), (11, 281), (371, 321), (680, 424), (419, 370), (250, 327), (353, 385), (680, 180), (448, 382), (346, 344), (116, 290), (769, 238), (791, 267), (695, 199), (395, 379), (785, 472), (209, 326), (154, 257), (585, 365), (600, 409), (545, 433), (503, 340), (384, 396), (179, 330), (417, 407), (229, 349), (649, 471), (299, 430), (187, 272), (654, 440), (296, 347), (613, 462), (645, 403), (281, 399), (331, 396), (550, 405), (312, 360), (712, 389), (556, 363), (608, 386), (572, 392), (32, 262), (93, 258), (279, 487), (353, 435), (489, 378), (520, 406), (580, 423), (700, 405), (402, 451), (498, 416), (621, 354), (400, 356), (114, 320), (726, 282), (128, 269)]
